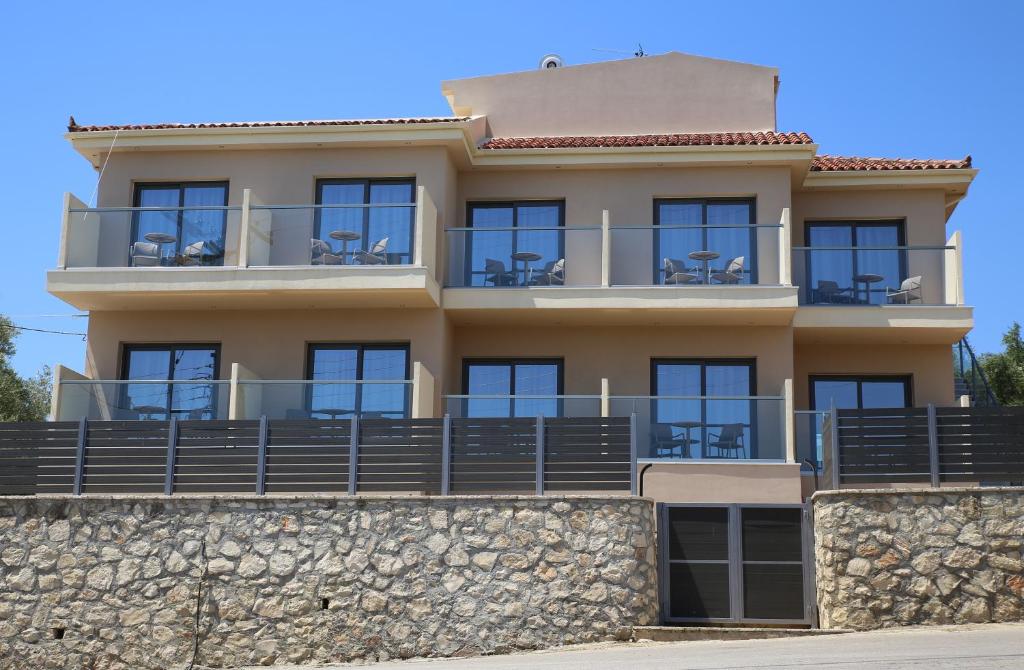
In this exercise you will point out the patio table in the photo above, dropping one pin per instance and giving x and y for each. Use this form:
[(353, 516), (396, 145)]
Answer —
[(705, 257), (344, 236), (526, 257)]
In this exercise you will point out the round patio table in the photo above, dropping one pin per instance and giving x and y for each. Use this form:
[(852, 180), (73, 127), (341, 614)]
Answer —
[(688, 426), (526, 257), (160, 239), (868, 278), (704, 257), (345, 236)]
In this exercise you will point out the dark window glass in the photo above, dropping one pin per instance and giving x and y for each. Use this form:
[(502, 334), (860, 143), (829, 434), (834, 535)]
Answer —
[(773, 591), (860, 392), (698, 400), (699, 590), (171, 362), (348, 364), (865, 248), (501, 230), (698, 534), (181, 213), (771, 534), (513, 378), (390, 227), (722, 226)]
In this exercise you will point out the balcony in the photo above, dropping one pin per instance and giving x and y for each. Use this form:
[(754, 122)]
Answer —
[(304, 399), (263, 256), (877, 292), (620, 274), (140, 400)]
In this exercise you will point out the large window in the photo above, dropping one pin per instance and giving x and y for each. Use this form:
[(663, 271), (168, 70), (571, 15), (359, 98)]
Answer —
[(534, 383), (702, 408), (186, 222), (854, 262), (358, 379), (860, 392), (153, 365), (508, 239), (378, 218), (704, 241)]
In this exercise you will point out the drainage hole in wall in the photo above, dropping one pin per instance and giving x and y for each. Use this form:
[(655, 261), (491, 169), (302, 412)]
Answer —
[(325, 603), (58, 633)]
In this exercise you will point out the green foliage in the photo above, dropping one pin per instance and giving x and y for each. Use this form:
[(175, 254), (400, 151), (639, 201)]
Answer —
[(1005, 371), (20, 399)]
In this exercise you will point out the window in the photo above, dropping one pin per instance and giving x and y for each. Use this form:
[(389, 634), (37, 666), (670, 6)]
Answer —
[(190, 214), (724, 227), (497, 379), (156, 364), (868, 392), (501, 229), (702, 408), (378, 209), (852, 262), (358, 379)]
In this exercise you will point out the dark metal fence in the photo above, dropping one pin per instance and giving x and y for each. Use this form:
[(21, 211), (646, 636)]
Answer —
[(927, 444), (429, 456)]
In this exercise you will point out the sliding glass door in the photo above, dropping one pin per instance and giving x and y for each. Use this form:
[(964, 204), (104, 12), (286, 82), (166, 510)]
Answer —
[(367, 380), (720, 229), (860, 392), (512, 387), (508, 239), (187, 221), (190, 367), (853, 262)]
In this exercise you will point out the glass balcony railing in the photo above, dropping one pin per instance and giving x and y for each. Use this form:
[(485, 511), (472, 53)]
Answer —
[(808, 436), (875, 275), (522, 406), (105, 237), (523, 257), (706, 427), (305, 399), (715, 255), (143, 400), (335, 235)]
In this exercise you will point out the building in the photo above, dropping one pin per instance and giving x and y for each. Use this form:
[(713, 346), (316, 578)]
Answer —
[(619, 238)]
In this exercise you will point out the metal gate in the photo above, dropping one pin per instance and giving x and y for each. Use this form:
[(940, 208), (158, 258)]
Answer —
[(749, 564)]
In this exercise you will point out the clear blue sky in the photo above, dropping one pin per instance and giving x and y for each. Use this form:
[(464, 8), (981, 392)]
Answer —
[(913, 79)]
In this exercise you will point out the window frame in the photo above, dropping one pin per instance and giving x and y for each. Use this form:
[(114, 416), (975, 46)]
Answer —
[(367, 184), (557, 361), (361, 348), (907, 379), (127, 348), (514, 205), (704, 202), (854, 224), (181, 186)]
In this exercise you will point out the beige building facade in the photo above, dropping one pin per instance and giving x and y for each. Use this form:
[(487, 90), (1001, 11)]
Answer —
[(682, 260)]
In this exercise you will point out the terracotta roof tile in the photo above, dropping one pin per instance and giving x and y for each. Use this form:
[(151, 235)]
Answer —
[(827, 163), (75, 128), (670, 140)]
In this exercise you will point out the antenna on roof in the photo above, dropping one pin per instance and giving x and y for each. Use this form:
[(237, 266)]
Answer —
[(639, 53)]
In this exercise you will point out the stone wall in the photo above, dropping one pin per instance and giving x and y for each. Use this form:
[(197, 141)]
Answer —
[(939, 556), (117, 582)]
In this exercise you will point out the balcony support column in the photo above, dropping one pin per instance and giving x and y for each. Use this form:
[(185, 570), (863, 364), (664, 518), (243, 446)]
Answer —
[(785, 249), (605, 397), (243, 237), (788, 421), (422, 392)]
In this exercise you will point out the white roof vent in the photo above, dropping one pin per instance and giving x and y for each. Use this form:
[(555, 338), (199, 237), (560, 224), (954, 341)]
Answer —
[(550, 62)]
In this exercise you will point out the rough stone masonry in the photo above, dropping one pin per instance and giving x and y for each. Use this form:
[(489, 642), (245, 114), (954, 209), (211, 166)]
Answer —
[(941, 556), (118, 582)]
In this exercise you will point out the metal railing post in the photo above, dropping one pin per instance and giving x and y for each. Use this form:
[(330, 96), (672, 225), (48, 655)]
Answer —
[(261, 463), (446, 455), (633, 484), (540, 455), (933, 445), (353, 457), (836, 465), (83, 432), (172, 455)]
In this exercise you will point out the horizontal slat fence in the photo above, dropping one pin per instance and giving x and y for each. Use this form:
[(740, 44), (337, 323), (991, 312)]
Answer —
[(425, 456), (928, 444)]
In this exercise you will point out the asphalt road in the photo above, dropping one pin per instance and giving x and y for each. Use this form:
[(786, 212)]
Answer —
[(992, 647)]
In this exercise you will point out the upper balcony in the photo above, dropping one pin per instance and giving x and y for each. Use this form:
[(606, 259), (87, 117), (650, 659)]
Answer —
[(266, 256), (630, 273), (866, 290)]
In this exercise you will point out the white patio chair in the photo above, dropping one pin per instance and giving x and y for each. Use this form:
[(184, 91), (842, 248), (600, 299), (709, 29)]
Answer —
[(322, 254), (377, 254), (677, 273), (909, 291), (733, 272), (145, 254), (553, 274)]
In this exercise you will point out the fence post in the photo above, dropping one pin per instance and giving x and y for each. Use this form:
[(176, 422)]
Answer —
[(933, 445), (633, 484), (446, 455), (172, 455), (836, 465), (261, 463), (83, 432), (353, 456), (540, 454)]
